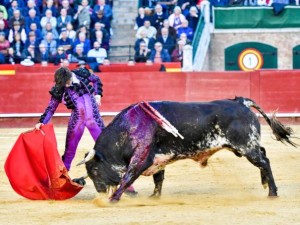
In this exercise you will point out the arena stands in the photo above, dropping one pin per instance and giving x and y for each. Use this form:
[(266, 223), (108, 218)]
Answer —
[(168, 24), (62, 23), (24, 25), (67, 20)]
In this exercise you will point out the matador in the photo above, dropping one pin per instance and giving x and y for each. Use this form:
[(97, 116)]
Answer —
[(81, 92)]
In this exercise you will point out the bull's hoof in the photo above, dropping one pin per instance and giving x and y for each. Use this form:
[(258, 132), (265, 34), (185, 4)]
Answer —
[(113, 200), (81, 181), (273, 194), (154, 196)]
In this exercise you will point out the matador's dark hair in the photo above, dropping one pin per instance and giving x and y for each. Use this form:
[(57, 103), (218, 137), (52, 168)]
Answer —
[(61, 76)]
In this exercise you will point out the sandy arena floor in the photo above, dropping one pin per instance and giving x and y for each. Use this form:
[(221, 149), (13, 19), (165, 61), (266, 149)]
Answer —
[(227, 191)]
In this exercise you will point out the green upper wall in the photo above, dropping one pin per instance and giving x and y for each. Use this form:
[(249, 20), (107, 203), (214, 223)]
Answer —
[(256, 17)]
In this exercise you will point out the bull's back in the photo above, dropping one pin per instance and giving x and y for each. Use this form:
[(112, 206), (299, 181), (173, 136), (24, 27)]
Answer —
[(183, 113), (198, 120)]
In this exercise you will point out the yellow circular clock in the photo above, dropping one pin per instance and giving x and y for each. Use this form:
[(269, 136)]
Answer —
[(250, 59)]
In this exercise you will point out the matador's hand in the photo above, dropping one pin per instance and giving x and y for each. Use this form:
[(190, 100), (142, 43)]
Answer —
[(98, 99), (38, 126)]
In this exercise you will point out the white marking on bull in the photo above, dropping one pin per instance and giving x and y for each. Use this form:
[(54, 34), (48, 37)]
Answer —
[(217, 141), (247, 103), (214, 139), (254, 138), (120, 170)]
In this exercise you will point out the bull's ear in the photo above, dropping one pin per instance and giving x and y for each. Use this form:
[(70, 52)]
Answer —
[(99, 156)]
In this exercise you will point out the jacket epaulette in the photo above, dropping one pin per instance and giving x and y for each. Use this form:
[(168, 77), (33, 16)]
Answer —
[(57, 93)]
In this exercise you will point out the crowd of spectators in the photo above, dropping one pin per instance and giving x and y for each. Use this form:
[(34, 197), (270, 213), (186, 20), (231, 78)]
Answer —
[(164, 28), (50, 31), (171, 24), (186, 4)]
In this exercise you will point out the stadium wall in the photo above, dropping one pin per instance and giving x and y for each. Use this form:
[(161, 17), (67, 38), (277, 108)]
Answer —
[(26, 94), (284, 40)]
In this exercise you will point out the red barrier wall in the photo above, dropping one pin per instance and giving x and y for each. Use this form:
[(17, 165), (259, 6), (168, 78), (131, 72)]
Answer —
[(28, 93)]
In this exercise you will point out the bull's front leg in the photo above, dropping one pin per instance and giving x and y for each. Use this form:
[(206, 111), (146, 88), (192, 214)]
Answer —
[(140, 161), (135, 169), (158, 179), (141, 130)]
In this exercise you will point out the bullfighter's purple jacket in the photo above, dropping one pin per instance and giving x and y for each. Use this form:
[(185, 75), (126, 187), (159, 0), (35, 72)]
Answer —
[(79, 97)]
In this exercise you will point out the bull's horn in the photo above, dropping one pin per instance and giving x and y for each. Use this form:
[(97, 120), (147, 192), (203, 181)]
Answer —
[(90, 155)]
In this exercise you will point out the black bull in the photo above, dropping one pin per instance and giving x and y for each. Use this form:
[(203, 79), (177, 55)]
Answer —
[(136, 142)]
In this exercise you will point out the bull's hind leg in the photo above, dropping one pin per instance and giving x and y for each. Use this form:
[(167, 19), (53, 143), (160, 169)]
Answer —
[(158, 181), (260, 160), (264, 180)]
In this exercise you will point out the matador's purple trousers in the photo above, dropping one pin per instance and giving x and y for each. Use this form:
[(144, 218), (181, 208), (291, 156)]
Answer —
[(86, 114)]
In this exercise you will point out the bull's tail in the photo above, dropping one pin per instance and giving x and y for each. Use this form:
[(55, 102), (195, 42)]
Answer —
[(280, 132)]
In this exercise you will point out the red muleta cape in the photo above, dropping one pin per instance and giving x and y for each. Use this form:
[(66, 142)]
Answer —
[(35, 169)]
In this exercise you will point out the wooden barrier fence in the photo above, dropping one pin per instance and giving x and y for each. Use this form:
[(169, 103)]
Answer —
[(25, 94)]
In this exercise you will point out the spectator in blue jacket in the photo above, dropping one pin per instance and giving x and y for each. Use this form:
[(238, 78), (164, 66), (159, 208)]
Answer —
[(66, 5), (99, 17), (49, 28), (185, 29), (167, 40), (193, 18), (17, 17), (50, 44), (14, 5), (32, 40), (17, 47), (158, 17), (32, 18), (30, 53), (65, 42), (51, 6), (84, 41), (159, 55), (63, 20), (185, 5), (107, 11), (59, 56), (34, 28), (43, 56), (30, 5), (140, 18), (99, 27)]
